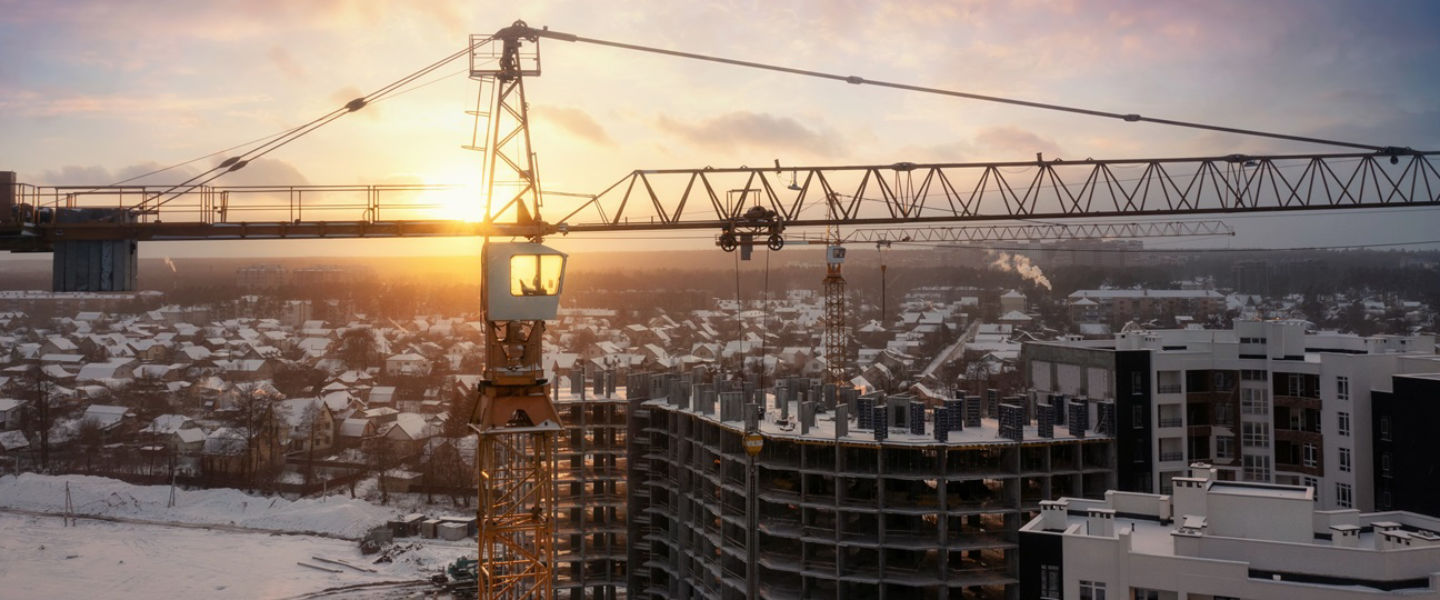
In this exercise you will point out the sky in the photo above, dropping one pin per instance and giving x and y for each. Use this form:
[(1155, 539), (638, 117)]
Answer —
[(97, 91)]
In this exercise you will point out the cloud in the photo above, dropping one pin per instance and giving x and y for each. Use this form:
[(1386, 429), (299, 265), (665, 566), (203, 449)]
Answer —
[(577, 122), (286, 63), (744, 130), (1007, 143), (28, 103), (136, 174), (264, 171)]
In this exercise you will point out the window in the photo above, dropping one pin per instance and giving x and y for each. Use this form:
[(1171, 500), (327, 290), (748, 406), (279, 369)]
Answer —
[(1141, 594), (1342, 495), (1254, 402), (1343, 423), (1385, 464), (1256, 468), (1137, 383), (1224, 414), (1225, 446), (1252, 375), (1092, 590), (536, 274), (1169, 382), (1293, 383), (1385, 428), (1255, 435), (1313, 484), (1345, 460), (1137, 416), (1224, 381), (1342, 388), (1311, 455), (1050, 582)]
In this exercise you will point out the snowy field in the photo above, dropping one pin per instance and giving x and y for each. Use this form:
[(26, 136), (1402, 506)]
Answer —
[(45, 559), (214, 546), (99, 496)]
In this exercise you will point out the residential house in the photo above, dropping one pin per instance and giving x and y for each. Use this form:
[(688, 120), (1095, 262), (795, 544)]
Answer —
[(407, 364), (13, 442), (11, 413), (108, 417), (178, 433)]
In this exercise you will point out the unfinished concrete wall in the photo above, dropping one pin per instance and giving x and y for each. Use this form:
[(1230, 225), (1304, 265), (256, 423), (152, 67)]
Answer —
[(838, 518), (591, 536)]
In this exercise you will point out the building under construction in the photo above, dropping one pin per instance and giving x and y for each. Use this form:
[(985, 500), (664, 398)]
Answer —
[(590, 500), (853, 496)]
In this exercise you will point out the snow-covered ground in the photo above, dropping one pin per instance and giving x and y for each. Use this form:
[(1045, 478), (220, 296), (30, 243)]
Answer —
[(332, 515), (45, 559), (205, 550)]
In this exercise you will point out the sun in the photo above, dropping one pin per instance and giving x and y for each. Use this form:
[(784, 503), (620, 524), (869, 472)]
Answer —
[(460, 199), (463, 203)]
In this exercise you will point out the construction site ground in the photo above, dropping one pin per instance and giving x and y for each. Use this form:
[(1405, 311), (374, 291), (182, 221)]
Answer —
[(127, 547)]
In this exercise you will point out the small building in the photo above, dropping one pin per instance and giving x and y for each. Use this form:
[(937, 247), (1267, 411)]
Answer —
[(407, 364), (13, 442), (107, 416), (11, 410), (1225, 539)]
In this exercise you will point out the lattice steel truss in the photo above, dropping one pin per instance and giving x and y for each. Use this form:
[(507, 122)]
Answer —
[(515, 419), (1045, 189), (836, 330), (516, 474)]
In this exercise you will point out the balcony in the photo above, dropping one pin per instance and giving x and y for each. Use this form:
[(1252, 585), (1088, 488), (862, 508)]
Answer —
[(1171, 456), (1172, 422)]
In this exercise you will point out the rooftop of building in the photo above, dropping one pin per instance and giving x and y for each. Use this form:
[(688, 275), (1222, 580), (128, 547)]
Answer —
[(1108, 294), (1290, 339), (1267, 528), (772, 426)]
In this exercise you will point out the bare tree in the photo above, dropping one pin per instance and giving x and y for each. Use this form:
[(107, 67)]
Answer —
[(357, 347), (91, 436), (148, 395), (255, 417), (37, 387), (382, 457)]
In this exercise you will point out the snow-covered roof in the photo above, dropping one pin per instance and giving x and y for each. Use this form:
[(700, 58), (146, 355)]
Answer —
[(411, 426), (167, 424), (353, 427), (13, 440), (382, 394), (225, 441), (1111, 294), (101, 370), (193, 435), (106, 415)]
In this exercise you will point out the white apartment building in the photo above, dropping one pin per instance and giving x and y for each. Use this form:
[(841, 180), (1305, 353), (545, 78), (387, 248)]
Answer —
[(1266, 401), (1213, 540)]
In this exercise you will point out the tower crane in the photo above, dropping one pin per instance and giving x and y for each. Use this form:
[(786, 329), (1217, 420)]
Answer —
[(514, 418), (761, 212)]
